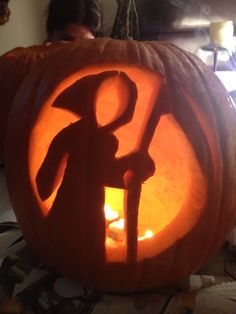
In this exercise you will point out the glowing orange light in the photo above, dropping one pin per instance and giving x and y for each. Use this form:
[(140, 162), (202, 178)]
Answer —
[(116, 226), (110, 214), (172, 199), (147, 235), (116, 230)]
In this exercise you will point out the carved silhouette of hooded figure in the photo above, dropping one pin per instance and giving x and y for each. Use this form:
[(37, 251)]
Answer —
[(83, 155)]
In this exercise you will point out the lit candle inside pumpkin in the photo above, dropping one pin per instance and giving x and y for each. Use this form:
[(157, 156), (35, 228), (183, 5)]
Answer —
[(116, 226), (147, 235), (116, 230), (110, 214)]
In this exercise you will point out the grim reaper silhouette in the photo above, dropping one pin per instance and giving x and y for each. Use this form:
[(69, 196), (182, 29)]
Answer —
[(88, 153)]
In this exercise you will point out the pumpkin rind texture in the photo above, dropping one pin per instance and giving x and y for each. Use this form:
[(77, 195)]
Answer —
[(14, 66), (141, 129)]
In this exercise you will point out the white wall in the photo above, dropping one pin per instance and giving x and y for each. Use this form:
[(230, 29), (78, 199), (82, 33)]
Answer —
[(110, 7), (27, 23)]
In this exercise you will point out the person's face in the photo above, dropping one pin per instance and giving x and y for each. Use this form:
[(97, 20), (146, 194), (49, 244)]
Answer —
[(73, 32)]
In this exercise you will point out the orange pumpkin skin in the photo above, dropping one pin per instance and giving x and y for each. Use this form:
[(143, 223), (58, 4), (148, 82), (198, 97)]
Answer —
[(14, 66), (188, 201)]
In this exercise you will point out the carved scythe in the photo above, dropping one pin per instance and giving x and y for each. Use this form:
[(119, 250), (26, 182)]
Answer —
[(133, 181)]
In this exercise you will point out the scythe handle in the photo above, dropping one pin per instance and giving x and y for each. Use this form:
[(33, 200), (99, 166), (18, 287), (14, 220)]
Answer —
[(133, 181)]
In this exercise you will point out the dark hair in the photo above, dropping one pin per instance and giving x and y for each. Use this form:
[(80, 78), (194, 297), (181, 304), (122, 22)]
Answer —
[(81, 12), (4, 11)]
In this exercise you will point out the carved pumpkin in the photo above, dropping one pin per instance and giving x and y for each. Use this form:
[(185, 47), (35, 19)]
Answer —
[(121, 163), (14, 66)]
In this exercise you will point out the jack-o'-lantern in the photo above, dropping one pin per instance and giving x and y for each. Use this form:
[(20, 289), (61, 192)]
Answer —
[(14, 66), (120, 163)]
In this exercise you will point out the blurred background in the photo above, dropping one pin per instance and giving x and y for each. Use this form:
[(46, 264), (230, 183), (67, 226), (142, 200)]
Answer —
[(26, 25)]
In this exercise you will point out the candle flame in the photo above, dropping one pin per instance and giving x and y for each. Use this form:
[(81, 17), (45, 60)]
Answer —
[(147, 235), (116, 230), (110, 214), (119, 224), (116, 226)]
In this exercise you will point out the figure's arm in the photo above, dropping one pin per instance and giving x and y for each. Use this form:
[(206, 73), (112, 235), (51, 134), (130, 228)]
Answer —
[(139, 163), (53, 166)]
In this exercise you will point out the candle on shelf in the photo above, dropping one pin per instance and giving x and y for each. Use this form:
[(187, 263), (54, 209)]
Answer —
[(221, 33)]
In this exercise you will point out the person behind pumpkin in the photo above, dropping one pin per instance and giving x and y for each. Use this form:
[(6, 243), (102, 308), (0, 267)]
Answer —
[(4, 12), (70, 20)]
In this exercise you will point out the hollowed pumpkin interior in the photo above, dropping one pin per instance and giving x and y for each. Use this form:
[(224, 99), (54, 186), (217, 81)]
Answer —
[(171, 200)]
